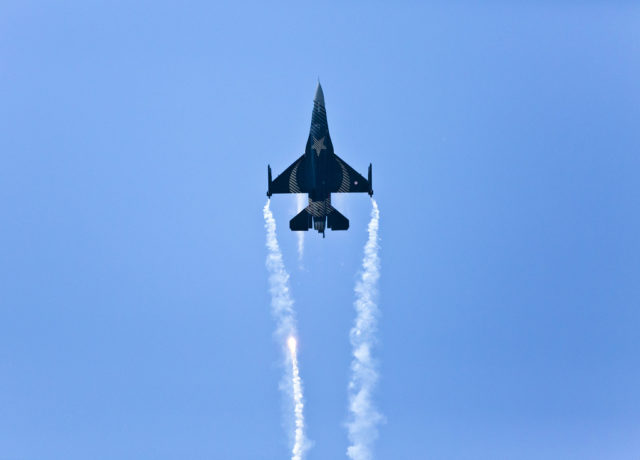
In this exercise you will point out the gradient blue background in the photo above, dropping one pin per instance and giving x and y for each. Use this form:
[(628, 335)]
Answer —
[(134, 311)]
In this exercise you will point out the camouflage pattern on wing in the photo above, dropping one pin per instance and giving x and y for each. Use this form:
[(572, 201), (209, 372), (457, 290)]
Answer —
[(292, 180), (344, 179)]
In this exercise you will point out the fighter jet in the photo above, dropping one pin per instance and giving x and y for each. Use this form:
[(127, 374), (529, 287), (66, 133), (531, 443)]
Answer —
[(319, 172)]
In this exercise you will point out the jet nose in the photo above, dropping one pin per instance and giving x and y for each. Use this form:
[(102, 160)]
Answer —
[(319, 95)]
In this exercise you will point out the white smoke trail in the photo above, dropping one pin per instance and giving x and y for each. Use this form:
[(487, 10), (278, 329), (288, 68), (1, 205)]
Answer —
[(298, 405), (300, 201), (282, 310), (364, 418)]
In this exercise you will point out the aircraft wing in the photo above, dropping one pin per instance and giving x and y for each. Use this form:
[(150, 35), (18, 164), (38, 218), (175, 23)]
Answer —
[(292, 180), (344, 179)]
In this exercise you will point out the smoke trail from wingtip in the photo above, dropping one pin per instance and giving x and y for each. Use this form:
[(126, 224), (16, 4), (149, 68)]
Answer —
[(283, 312), (298, 405), (363, 416)]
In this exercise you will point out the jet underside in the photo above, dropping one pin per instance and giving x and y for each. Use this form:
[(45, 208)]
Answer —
[(319, 172)]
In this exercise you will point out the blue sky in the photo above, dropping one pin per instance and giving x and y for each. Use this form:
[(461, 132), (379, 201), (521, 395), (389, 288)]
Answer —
[(134, 139)]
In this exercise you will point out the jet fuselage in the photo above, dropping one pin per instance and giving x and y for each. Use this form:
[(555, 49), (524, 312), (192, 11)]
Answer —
[(319, 172)]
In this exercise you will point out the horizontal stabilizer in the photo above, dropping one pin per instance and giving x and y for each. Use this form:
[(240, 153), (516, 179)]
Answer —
[(301, 222), (336, 221)]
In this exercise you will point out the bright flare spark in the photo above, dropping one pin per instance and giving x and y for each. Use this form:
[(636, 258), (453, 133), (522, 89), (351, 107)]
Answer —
[(291, 343)]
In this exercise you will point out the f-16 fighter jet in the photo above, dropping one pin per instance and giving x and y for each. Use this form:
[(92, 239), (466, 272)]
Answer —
[(319, 172)]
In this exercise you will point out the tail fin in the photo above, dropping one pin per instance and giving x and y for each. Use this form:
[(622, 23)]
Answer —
[(336, 221), (301, 222)]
